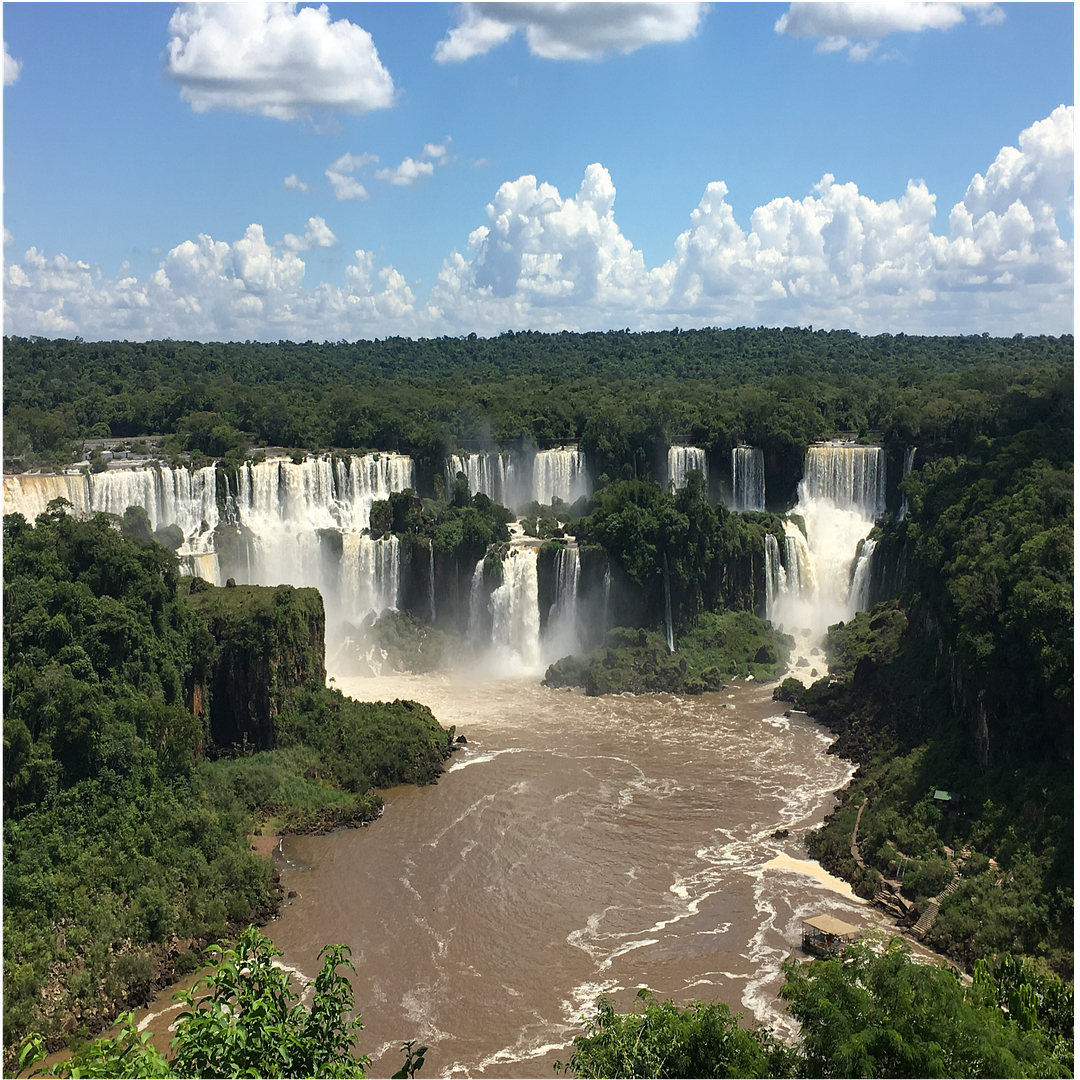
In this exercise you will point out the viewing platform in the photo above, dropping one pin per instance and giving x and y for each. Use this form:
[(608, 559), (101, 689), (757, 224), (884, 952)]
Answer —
[(824, 935)]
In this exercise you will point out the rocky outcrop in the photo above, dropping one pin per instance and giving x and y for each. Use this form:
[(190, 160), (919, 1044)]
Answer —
[(267, 641)]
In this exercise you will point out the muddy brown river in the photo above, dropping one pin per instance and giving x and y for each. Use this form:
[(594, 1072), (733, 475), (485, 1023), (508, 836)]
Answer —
[(575, 847)]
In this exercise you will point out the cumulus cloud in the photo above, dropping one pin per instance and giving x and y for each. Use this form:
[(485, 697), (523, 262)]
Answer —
[(274, 60), (294, 183), (568, 31), (339, 173), (832, 258), (206, 290), (437, 151), (12, 67), (859, 27), (407, 173), (8, 238), (317, 235)]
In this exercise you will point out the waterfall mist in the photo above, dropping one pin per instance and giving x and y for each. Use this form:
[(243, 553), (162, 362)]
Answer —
[(822, 577)]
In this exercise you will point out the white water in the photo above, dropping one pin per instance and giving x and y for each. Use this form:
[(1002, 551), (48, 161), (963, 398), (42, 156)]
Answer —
[(302, 524), (909, 461), (560, 474), (668, 631), (840, 496), (494, 475), (515, 611), (747, 478), (681, 459), (562, 635)]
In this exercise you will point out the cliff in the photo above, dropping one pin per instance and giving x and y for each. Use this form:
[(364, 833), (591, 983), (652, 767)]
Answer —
[(267, 642)]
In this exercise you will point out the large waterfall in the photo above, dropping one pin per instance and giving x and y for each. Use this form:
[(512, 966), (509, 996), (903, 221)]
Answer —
[(747, 478), (514, 640), (822, 577), (560, 474), (494, 475), (294, 523), (681, 459)]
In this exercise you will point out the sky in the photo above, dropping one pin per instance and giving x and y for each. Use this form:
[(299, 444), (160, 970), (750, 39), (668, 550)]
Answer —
[(345, 171)]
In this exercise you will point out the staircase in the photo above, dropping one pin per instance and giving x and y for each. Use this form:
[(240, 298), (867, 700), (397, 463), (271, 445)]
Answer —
[(929, 916)]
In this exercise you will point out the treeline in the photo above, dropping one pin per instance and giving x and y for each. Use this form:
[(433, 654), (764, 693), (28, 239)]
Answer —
[(127, 794), (624, 397)]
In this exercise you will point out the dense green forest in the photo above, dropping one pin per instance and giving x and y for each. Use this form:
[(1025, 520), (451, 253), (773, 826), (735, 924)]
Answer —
[(128, 794), (624, 397)]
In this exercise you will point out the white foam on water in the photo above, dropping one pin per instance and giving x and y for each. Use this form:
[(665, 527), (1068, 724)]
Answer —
[(485, 757)]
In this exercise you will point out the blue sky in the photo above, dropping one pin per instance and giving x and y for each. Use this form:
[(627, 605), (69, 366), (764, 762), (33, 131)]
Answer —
[(131, 131)]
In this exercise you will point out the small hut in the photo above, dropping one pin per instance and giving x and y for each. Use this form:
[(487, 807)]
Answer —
[(824, 935)]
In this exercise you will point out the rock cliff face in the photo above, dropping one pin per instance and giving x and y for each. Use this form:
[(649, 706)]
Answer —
[(268, 641)]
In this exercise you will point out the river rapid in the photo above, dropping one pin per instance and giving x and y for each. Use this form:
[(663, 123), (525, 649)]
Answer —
[(575, 847)]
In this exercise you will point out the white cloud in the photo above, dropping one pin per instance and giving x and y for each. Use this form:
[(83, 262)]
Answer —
[(8, 238), (294, 183), (274, 60), (317, 235), (339, 173), (568, 31), (833, 258), (437, 151), (407, 173), (837, 24), (12, 67)]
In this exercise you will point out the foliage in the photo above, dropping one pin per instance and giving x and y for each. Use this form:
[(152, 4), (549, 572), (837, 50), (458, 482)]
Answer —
[(874, 1013), (662, 1040), (118, 837), (729, 644), (243, 1019)]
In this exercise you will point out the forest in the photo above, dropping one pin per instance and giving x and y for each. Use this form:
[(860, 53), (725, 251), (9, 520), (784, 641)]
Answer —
[(958, 678)]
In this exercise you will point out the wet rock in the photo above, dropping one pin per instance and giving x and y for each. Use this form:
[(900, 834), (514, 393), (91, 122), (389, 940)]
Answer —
[(461, 739)]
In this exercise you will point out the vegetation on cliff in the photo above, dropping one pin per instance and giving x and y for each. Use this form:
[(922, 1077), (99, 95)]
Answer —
[(721, 645), (124, 844), (964, 684)]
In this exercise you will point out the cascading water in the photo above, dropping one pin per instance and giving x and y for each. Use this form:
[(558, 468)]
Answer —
[(681, 459), (747, 478), (909, 462), (515, 612), (608, 620), (825, 573), (292, 523), (561, 635), (494, 475), (431, 581), (668, 630), (560, 474), (860, 576)]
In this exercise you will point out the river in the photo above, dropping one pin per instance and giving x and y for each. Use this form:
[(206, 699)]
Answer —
[(576, 846)]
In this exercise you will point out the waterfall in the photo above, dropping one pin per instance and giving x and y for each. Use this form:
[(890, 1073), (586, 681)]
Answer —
[(607, 598), (562, 634), (476, 603), (370, 573), (667, 607), (775, 575), (681, 459), (826, 571), (747, 478), (851, 477), (515, 611), (285, 523), (494, 475), (909, 461), (560, 474), (431, 581), (860, 575), (181, 497)]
